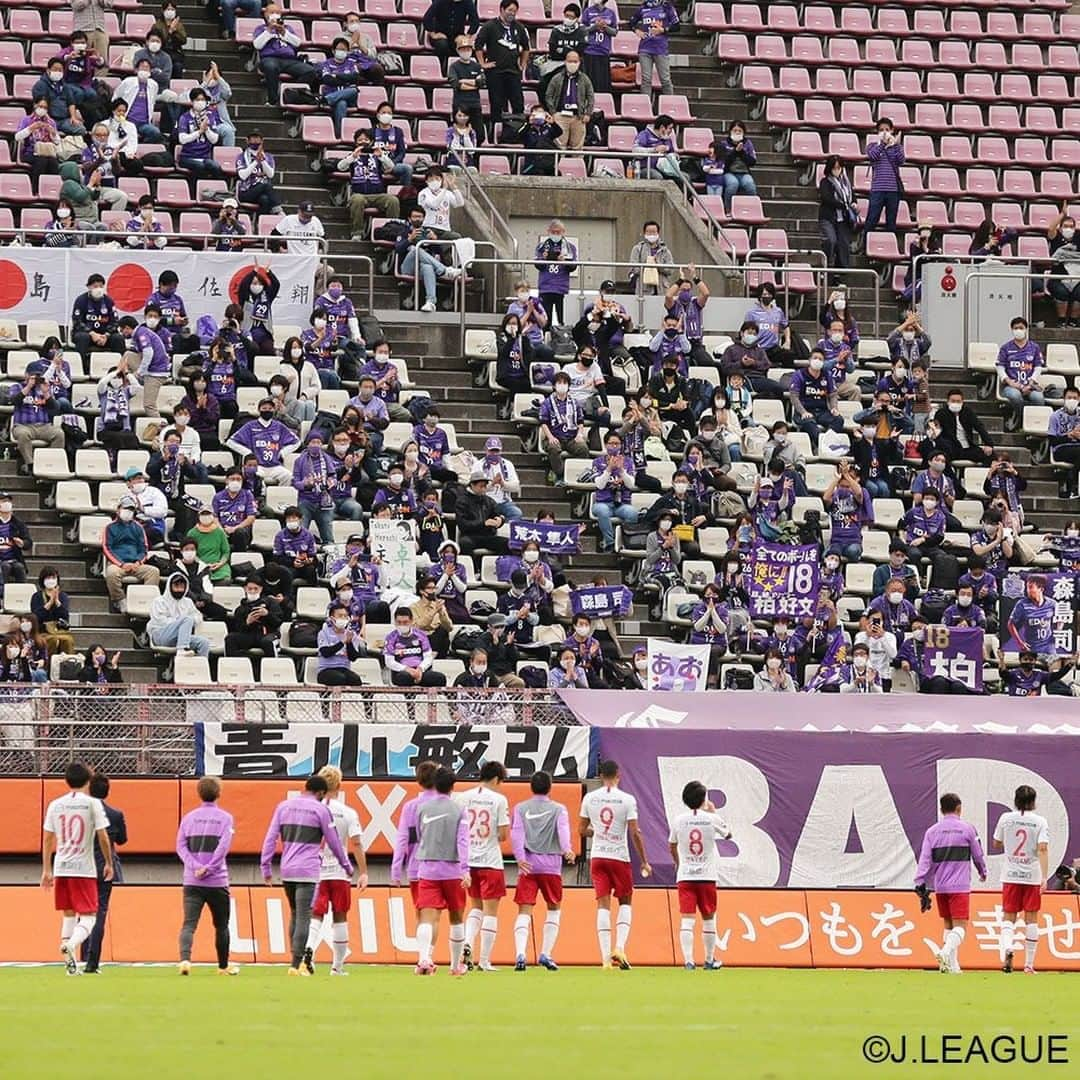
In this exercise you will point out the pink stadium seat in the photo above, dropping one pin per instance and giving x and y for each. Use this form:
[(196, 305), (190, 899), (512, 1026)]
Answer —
[(225, 156), (982, 182), (930, 22), (625, 44), (637, 107), (920, 149), (979, 86), (783, 112), (25, 22), (954, 55), (380, 9), (1042, 215), (15, 187), (426, 69), (881, 246), (795, 80), (916, 53), (573, 168), (195, 223), (735, 241), (856, 114), (734, 49), (1065, 152), (955, 244), (957, 150), (710, 17), (942, 86), (677, 106), (783, 18), (404, 36), (48, 188), (1009, 215), (820, 20), (61, 23), (308, 8), (856, 20), (1016, 88), (932, 210), (774, 240), (206, 190), (942, 181), (173, 192), (1062, 58), (846, 145), (1002, 24), (966, 25), (33, 218), (352, 125), (991, 55), (770, 49), (882, 52), (1030, 58), (747, 210), (621, 137), (1039, 26), (819, 112), (494, 165), (1053, 88), (710, 205), (807, 50), (896, 111), (893, 22), (1030, 152), (831, 81), (1033, 247), (860, 176), (696, 140), (912, 180), (431, 133), (532, 12), (844, 51), (993, 151), (746, 17), (930, 116), (759, 80), (134, 187), (806, 146), (1055, 184), (1006, 119), (323, 32), (11, 56), (318, 131), (968, 214), (408, 100), (1041, 119)]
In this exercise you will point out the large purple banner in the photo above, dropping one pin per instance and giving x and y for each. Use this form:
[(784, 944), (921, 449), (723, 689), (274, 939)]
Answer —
[(954, 653), (838, 810), (784, 580)]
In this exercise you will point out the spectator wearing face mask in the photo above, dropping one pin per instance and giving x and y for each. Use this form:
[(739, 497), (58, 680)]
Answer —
[(839, 356), (1064, 435), (782, 449), (965, 612), (211, 545), (993, 542), (570, 98), (613, 475), (566, 673), (467, 78), (255, 176), (560, 427), (685, 301), (337, 649), (540, 131), (1004, 480), (849, 506), (774, 678), (656, 155), (143, 229), (1063, 284), (139, 92), (451, 579), (813, 399), (439, 196), (935, 480), (774, 333), (219, 93), (502, 49), (125, 549), (858, 676), (278, 48), (874, 456), (881, 647), (747, 358), (838, 215), (896, 569), (963, 435), (257, 290), (51, 606), (556, 259), (38, 139), (228, 228), (736, 156), (445, 22), (771, 500), (197, 134), (295, 548), (726, 425), (927, 242), (653, 22), (885, 154), (339, 77), (235, 508), (521, 336), (909, 342), (389, 140), (266, 438), (174, 326), (991, 239), (900, 387), (255, 623), (601, 22), (478, 517), (652, 262), (408, 655), (923, 528), (174, 619)]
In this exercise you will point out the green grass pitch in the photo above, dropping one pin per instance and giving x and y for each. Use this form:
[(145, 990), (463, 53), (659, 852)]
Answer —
[(737, 1024)]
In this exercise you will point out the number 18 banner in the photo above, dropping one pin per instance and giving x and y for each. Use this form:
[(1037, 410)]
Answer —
[(783, 580), (955, 653)]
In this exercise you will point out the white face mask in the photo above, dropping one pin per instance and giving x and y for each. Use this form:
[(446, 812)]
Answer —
[(199, 105), (206, 520), (523, 295), (1019, 333), (41, 111), (955, 406), (1068, 234), (641, 665), (56, 76), (13, 652), (531, 556), (382, 358), (340, 54), (234, 486), (816, 365), (652, 237), (929, 505), (292, 526), (479, 669), (680, 489), (50, 583), (434, 185), (341, 624), (773, 663), (26, 627), (153, 323), (139, 487), (97, 292), (256, 289), (252, 597), (581, 632), (277, 391), (836, 339), (154, 46), (296, 353), (386, 119), (665, 525), (1068, 532), (839, 305), (345, 596), (832, 564), (144, 75), (181, 421), (319, 324), (859, 663), (124, 515), (895, 597), (964, 601), (63, 213), (908, 335)]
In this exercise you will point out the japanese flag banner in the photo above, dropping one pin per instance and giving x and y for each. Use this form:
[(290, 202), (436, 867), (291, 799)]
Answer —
[(955, 653), (44, 284), (677, 667)]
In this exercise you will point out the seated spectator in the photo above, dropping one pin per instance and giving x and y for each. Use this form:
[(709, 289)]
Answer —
[(143, 229), (219, 93), (256, 622), (656, 157), (478, 517), (399, 500), (782, 448), (38, 140), (531, 318), (886, 418), (100, 157), (514, 354), (965, 612), (304, 233), (198, 134), (684, 502), (896, 569), (909, 343), (99, 668), (882, 646), (603, 326), (337, 647), (35, 405), (839, 361), (774, 333), (859, 677), (339, 77), (139, 93), (1064, 436), (874, 457), (408, 654), (561, 427), (993, 542), (1005, 481), (171, 29), (813, 399), (963, 435), (570, 98), (83, 198), (228, 228), (524, 604), (1027, 680), (278, 48), (125, 549), (265, 438), (567, 673), (445, 22), (295, 549), (368, 175), (669, 341), (900, 387), (774, 678), (65, 231), (174, 327), (653, 21), (431, 612), (587, 649), (924, 528), (849, 506), (235, 508), (462, 140), (736, 157), (51, 608), (771, 500), (501, 649), (124, 142), (503, 482), (434, 447), (747, 358), (1063, 283), (255, 176), (390, 141), (62, 100), (663, 558), (927, 242), (1018, 362), (197, 574), (613, 475), (174, 619), (539, 132), (990, 239), (674, 398), (81, 66), (886, 155)]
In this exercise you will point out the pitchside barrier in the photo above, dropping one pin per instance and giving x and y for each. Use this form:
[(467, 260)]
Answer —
[(756, 928)]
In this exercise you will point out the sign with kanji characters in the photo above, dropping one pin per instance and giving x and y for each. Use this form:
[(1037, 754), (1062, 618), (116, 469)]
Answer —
[(43, 283), (1042, 619), (552, 538), (392, 540), (601, 601), (784, 580), (383, 751), (954, 653), (673, 666)]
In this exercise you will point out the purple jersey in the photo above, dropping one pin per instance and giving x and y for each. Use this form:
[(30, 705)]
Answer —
[(203, 844), (562, 418), (848, 514), (657, 18), (265, 441), (154, 356), (291, 544), (985, 588), (1020, 683), (948, 849), (231, 509), (434, 445), (1019, 362), (917, 522), (1032, 625), (302, 824), (598, 43), (813, 391), (405, 864)]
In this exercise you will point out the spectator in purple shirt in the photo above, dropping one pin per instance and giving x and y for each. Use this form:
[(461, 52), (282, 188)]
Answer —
[(965, 612), (198, 134), (408, 654), (556, 260), (278, 47), (656, 155), (143, 229), (81, 65), (885, 155), (434, 448), (339, 77), (313, 476), (255, 176), (601, 23), (849, 506), (814, 399), (265, 438), (613, 475), (653, 21), (991, 239), (737, 156), (295, 548), (1018, 362), (1064, 435)]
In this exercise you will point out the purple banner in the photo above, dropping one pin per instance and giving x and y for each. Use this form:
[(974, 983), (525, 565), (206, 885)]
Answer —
[(552, 538), (838, 810), (600, 601), (784, 580), (1042, 618), (954, 653), (731, 710)]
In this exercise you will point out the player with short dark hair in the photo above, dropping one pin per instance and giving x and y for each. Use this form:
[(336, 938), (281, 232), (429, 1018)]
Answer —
[(488, 815), (692, 841), (73, 823), (1024, 836), (948, 848), (404, 864), (609, 816), (117, 829), (540, 841)]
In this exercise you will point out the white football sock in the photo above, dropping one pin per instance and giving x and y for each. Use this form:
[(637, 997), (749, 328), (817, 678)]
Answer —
[(489, 927), (472, 926), (603, 933), (67, 925), (708, 933), (622, 926), (457, 944), (686, 939), (1030, 945), (521, 934), (953, 940), (314, 931), (82, 930), (423, 942), (340, 944), (551, 932)]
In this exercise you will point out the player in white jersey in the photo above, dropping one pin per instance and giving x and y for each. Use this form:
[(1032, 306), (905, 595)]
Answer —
[(73, 823), (609, 816), (333, 892), (693, 840), (488, 815), (1025, 838)]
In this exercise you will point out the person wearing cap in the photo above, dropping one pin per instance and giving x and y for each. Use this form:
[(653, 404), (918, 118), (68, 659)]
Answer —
[(431, 615), (266, 438), (503, 482), (124, 546), (304, 234), (32, 419), (151, 505), (313, 475), (228, 228), (15, 543), (478, 517), (603, 325), (521, 606), (499, 643)]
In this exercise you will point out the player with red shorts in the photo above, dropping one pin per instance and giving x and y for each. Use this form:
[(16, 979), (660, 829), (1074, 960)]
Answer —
[(540, 841), (1024, 836), (609, 816)]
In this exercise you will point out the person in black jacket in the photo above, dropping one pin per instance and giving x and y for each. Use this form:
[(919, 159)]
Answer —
[(502, 49), (99, 668), (501, 651), (837, 214), (515, 354), (478, 518), (255, 622), (117, 830), (956, 418), (446, 20)]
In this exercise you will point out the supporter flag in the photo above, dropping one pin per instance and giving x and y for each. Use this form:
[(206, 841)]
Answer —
[(553, 539), (677, 667), (1042, 618), (601, 601), (783, 580), (954, 653)]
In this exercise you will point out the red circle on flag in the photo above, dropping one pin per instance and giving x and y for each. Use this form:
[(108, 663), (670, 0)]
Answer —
[(234, 281), (130, 286), (12, 285)]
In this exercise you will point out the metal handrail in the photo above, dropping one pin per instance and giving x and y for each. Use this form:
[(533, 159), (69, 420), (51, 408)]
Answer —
[(495, 219)]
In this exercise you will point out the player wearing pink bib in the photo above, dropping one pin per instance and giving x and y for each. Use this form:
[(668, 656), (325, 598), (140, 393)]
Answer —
[(693, 847), (73, 824), (1024, 836), (609, 816), (488, 815)]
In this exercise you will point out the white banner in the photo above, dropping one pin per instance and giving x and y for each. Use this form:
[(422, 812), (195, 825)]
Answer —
[(386, 751), (43, 283), (677, 667), (392, 540)]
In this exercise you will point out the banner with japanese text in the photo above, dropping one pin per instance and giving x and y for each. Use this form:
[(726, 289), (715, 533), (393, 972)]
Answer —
[(382, 751), (392, 541), (839, 809), (553, 539), (954, 653), (784, 580), (601, 601), (1042, 619), (676, 667), (44, 283)]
